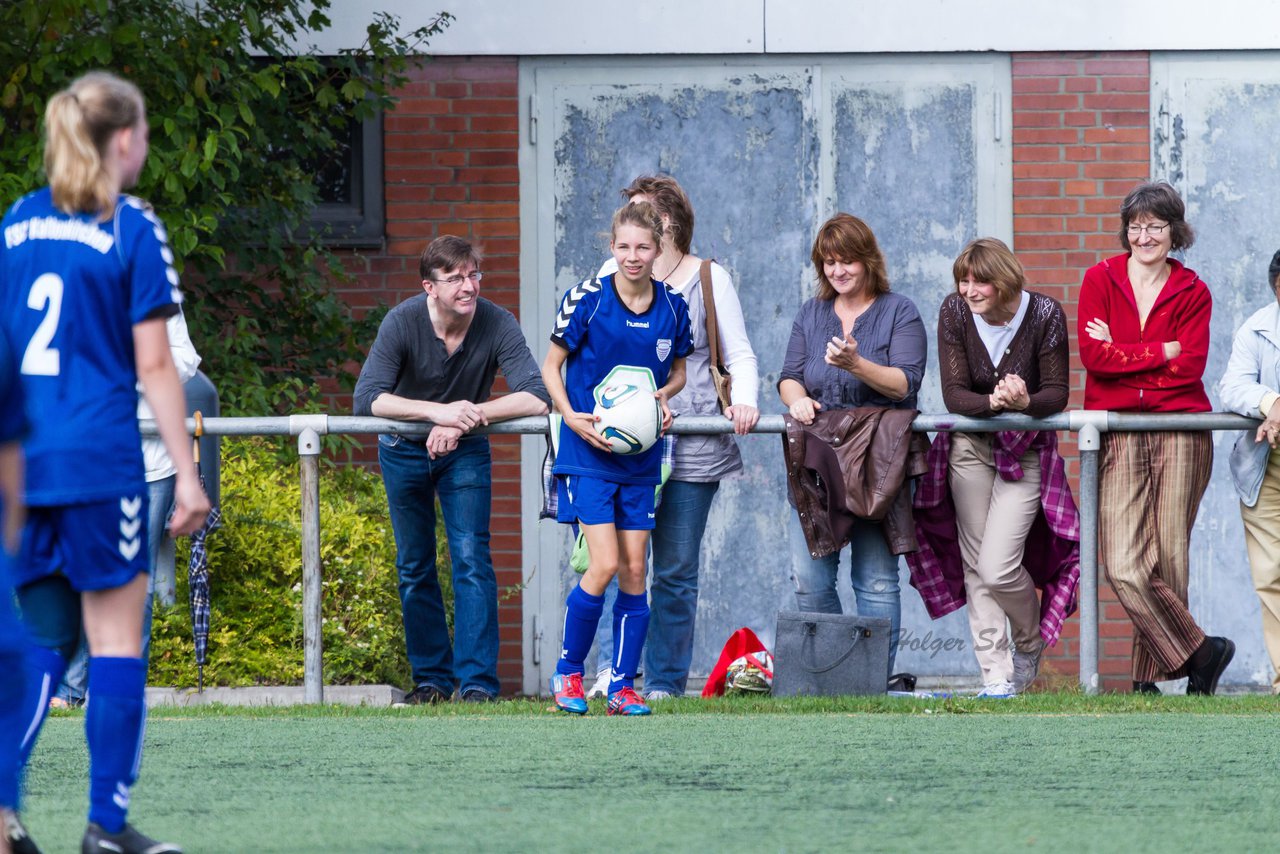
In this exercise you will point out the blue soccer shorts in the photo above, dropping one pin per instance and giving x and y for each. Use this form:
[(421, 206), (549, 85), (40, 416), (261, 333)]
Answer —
[(97, 546), (592, 501)]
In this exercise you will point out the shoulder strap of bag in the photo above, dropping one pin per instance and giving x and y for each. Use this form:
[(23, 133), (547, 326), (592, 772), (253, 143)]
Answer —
[(709, 306)]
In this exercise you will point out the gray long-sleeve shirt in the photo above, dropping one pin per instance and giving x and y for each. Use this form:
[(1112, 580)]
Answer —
[(890, 333), (409, 360)]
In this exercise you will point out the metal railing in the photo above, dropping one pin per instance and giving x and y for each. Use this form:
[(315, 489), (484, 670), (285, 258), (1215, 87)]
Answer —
[(1089, 425)]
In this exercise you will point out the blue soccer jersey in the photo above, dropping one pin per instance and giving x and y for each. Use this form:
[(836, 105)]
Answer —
[(601, 333), (71, 290)]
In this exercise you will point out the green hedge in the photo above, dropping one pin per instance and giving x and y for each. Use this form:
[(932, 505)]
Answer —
[(255, 632)]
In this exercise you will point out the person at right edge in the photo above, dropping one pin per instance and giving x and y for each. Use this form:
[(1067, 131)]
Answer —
[(1144, 341), (1251, 386)]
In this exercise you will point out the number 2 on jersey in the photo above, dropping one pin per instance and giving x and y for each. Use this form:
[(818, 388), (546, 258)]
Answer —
[(40, 359)]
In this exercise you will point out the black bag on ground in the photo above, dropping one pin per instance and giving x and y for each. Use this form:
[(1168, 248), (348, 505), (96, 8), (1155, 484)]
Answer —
[(830, 654)]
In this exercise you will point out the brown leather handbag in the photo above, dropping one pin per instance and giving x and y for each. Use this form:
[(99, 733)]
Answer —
[(719, 374)]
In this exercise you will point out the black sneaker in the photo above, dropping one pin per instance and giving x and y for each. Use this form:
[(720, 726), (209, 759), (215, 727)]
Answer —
[(1146, 688), (476, 695), (127, 841), (20, 842), (1206, 666), (427, 695)]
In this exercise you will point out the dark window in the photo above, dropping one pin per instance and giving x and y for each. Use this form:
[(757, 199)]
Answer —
[(351, 211)]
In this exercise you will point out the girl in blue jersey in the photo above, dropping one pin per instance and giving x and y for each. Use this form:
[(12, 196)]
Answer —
[(622, 319), (86, 284)]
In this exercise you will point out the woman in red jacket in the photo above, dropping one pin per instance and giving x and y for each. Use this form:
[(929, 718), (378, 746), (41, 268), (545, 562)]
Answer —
[(1144, 340)]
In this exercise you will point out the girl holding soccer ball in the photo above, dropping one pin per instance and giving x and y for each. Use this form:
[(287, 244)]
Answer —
[(86, 285), (623, 319)]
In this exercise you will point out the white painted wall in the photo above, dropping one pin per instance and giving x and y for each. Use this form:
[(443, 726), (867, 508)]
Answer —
[(576, 27)]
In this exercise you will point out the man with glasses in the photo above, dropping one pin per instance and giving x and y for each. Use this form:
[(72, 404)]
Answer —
[(434, 360)]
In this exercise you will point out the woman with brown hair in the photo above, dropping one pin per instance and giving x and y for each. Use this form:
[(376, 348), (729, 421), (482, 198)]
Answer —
[(856, 343), (1144, 342), (1001, 348)]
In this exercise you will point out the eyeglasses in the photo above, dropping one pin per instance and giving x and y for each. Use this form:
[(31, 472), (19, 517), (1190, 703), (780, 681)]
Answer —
[(1153, 230), (453, 281)]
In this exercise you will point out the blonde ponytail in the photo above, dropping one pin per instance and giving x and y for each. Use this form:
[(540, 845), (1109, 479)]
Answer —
[(79, 124)]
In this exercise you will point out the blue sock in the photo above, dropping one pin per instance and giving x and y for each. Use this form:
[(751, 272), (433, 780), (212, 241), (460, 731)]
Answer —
[(44, 671), (113, 724), (630, 625), (581, 616), (11, 729)]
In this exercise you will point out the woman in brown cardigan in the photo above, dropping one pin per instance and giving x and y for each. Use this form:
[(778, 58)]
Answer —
[(1000, 349)]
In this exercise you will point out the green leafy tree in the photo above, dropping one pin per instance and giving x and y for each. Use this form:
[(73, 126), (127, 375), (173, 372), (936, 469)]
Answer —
[(242, 115)]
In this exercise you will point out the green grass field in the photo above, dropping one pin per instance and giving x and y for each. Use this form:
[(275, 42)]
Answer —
[(1045, 772)]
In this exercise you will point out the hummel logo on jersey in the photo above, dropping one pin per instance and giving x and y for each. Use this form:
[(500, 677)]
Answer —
[(635, 324), (130, 527)]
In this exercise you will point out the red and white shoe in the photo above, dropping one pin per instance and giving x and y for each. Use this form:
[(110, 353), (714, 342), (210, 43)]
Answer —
[(568, 694), (626, 701)]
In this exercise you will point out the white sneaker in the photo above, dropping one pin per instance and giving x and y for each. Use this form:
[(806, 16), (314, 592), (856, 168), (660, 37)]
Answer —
[(600, 688), (658, 695), (1026, 666), (998, 689)]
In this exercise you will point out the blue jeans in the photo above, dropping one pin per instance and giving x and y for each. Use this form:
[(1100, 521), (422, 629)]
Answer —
[(676, 542), (873, 573), (463, 483), (75, 682)]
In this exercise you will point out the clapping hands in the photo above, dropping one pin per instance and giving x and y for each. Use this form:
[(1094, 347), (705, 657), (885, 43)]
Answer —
[(1010, 394)]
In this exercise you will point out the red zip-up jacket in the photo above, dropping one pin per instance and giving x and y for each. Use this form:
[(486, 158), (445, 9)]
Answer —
[(1130, 373)]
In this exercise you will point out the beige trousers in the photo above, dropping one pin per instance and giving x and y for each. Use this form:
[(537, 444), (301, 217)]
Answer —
[(1262, 536), (1148, 496), (993, 517)]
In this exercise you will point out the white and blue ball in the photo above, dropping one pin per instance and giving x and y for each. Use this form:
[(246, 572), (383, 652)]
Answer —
[(630, 416)]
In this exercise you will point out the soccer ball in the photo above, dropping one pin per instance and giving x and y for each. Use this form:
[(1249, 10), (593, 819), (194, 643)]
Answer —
[(630, 416), (750, 674)]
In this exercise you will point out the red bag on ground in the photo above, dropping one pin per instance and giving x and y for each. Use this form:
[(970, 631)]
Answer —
[(740, 643)]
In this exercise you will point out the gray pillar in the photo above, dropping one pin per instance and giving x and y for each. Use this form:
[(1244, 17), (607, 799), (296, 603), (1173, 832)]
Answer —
[(312, 641), (1090, 444)]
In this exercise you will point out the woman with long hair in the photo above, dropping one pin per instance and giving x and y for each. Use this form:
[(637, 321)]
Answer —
[(855, 344), (625, 320), (86, 284), (699, 462)]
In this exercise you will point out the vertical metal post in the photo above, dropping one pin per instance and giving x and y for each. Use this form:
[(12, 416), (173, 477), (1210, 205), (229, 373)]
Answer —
[(312, 642), (1090, 443)]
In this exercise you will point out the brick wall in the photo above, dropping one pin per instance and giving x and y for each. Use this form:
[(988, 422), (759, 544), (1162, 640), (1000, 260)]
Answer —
[(450, 160), (1080, 143)]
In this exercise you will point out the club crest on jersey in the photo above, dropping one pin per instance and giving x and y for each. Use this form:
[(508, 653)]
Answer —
[(664, 349)]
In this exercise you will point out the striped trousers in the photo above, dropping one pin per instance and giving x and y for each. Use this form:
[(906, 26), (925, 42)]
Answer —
[(1150, 486)]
